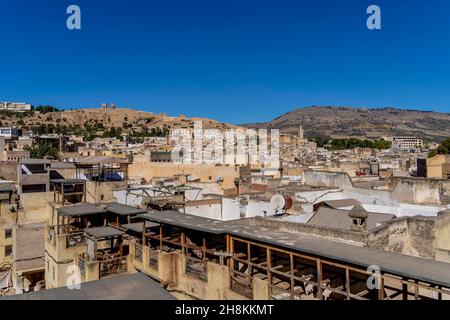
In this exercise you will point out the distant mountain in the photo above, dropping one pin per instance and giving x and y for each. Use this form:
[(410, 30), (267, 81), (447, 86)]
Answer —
[(340, 122)]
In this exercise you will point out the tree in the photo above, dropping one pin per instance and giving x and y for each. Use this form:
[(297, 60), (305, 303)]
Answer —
[(41, 150), (46, 109), (444, 148)]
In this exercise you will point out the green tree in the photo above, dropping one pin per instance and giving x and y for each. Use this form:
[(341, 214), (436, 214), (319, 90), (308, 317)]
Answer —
[(444, 148), (46, 109), (41, 150)]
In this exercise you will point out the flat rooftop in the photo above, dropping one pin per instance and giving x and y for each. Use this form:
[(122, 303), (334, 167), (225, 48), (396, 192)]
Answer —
[(135, 286), (92, 209), (80, 210), (123, 209), (138, 226), (103, 232), (182, 220)]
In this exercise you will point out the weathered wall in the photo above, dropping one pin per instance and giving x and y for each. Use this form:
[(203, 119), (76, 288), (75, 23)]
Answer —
[(97, 192), (407, 235), (36, 206), (443, 237), (8, 171), (345, 235), (326, 179), (206, 173), (420, 191)]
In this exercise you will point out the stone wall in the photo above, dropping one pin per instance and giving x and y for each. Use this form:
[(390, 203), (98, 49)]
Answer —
[(326, 179), (407, 235), (337, 234)]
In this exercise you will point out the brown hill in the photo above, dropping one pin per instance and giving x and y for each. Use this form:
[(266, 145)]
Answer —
[(108, 117), (340, 122)]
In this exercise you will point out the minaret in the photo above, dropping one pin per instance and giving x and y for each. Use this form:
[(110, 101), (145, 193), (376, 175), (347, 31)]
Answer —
[(300, 133), (300, 136)]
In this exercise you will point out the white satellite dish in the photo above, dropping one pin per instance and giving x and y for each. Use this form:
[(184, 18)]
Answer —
[(277, 202)]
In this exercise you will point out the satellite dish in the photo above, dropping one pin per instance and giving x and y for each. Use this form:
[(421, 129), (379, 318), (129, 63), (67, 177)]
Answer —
[(277, 202)]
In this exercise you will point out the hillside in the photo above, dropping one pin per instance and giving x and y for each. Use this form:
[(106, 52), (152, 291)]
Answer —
[(342, 122), (124, 118)]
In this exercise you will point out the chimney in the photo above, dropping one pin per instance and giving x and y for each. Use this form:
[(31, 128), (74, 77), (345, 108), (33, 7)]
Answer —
[(358, 215)]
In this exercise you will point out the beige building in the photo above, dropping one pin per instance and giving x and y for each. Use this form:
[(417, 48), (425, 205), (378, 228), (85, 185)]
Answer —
[(438, 167), (143, 168)]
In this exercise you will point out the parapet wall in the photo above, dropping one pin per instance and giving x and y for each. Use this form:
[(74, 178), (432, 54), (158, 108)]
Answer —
[(401, 190), (338, 234), (413, 236), (420, 191), (327, 179)]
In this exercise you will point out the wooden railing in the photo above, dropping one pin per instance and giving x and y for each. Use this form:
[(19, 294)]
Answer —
[(112, 266), (241, 283), (196, 268), (138, 252), (153, 259), (75, 239), (82, 265)]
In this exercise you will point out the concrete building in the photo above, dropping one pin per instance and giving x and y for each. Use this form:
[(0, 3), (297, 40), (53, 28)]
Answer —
[(439, 167), (15, 106), (10, 133), (407, 142), (33, 175)]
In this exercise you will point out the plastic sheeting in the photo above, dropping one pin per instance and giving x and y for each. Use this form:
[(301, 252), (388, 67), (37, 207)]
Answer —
[(5, 279)]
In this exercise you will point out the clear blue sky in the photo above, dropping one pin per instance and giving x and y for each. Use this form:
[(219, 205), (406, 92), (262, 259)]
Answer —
[(232, 60)]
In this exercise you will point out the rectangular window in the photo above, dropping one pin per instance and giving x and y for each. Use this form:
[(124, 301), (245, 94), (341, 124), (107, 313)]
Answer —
[(8, 233), (8, 251)]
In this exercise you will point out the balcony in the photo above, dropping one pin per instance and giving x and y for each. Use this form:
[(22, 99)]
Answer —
[(61, 245)]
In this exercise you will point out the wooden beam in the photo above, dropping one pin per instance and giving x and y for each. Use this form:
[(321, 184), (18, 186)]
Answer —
[(319, 280), (347, 283), (292, 272), (381, 288)]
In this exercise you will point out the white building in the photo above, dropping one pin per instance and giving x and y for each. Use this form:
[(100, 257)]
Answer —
[(10, 133), (15, 106), (407, 142)]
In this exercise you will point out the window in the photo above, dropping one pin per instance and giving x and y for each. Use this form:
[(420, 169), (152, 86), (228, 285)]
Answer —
[(8, 233), (8, 251)]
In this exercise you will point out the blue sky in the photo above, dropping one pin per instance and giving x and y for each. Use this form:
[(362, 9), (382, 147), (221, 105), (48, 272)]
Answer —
[(232, 60)]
